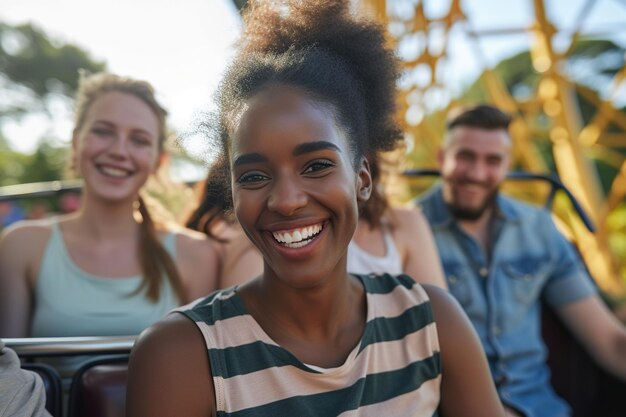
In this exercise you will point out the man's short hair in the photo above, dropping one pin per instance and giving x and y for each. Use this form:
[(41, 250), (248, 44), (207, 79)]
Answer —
[(482, 116)]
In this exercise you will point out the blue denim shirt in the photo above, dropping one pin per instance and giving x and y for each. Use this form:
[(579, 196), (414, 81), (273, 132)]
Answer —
[(530, 262)]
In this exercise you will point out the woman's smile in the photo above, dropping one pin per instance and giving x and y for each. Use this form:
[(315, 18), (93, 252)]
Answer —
[(299, 237), (294, 184)]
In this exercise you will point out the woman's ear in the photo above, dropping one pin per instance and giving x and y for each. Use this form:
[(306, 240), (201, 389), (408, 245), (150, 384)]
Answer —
[(364, 181)]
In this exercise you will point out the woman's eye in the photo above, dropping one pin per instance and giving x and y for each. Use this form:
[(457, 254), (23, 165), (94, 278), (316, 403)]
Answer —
[(102, 131), (141, 141), (251, 178), (317, 166)]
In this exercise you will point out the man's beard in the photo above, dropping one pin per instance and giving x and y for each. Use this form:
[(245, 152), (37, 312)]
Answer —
[(473, 214)]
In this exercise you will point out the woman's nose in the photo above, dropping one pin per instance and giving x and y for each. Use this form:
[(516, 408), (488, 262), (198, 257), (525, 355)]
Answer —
[(287, 197)]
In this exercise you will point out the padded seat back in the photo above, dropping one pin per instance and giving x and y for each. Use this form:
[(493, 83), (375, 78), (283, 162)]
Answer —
[(99, 388), (576, 377)]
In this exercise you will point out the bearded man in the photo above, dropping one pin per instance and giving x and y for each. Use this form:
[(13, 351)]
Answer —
[(503, 258)]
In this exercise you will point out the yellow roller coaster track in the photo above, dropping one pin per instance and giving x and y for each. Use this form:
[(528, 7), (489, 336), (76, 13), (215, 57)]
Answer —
[(572, 142)]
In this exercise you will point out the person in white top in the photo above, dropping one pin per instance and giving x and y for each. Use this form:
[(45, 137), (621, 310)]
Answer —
[(393, 239)]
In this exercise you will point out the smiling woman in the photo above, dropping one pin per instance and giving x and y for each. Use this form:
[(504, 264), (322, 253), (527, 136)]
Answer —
[(100, 271), (307, 338), (302, 177)]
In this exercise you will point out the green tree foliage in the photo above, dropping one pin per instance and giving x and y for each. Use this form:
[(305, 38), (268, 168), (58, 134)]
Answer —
[(37, 73), (591, 63), (46, 164), (12, 166), (35, 67)]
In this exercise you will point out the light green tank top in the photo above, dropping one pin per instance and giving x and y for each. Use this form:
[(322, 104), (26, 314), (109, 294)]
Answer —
[(72, 302)]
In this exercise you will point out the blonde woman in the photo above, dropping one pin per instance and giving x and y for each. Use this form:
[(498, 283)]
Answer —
[(104, 270)]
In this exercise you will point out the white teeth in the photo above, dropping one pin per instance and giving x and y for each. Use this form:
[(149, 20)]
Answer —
[(113, 172), (298, 244), (297, 237)]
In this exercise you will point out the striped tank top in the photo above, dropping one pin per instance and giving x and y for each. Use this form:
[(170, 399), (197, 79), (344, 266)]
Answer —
[(394, 371)]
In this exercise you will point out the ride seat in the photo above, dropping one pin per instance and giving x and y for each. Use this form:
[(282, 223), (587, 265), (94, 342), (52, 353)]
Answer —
[(576, 377), (99, 388)]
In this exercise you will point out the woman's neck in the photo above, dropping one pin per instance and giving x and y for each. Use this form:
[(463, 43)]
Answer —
[(319, 325), (318, 312), (106, 220)]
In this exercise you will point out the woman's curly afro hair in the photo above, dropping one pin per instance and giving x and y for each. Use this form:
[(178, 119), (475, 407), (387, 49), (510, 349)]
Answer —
[(331, 54)]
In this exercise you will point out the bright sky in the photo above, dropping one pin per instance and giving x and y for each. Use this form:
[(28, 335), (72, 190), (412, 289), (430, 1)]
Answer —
[(182, 47)]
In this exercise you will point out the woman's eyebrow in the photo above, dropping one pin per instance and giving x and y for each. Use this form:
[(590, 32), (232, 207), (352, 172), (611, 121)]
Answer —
[(113, 125), (248, 158), (315, 146), (252, 158)]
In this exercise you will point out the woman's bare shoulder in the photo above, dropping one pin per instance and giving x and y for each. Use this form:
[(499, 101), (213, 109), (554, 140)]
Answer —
[(195, 244), (173, 334), (466, 385), (408, 224), (442, 301), (166, 354), (26, 233), (198, 259), (453, 325), (29, 228), (22, 246), (185, 233), (403, 216)]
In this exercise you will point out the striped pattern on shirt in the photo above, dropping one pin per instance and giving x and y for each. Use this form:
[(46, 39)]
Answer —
[(394, 371)]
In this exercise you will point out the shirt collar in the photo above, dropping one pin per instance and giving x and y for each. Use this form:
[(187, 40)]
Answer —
[(442, 217)]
